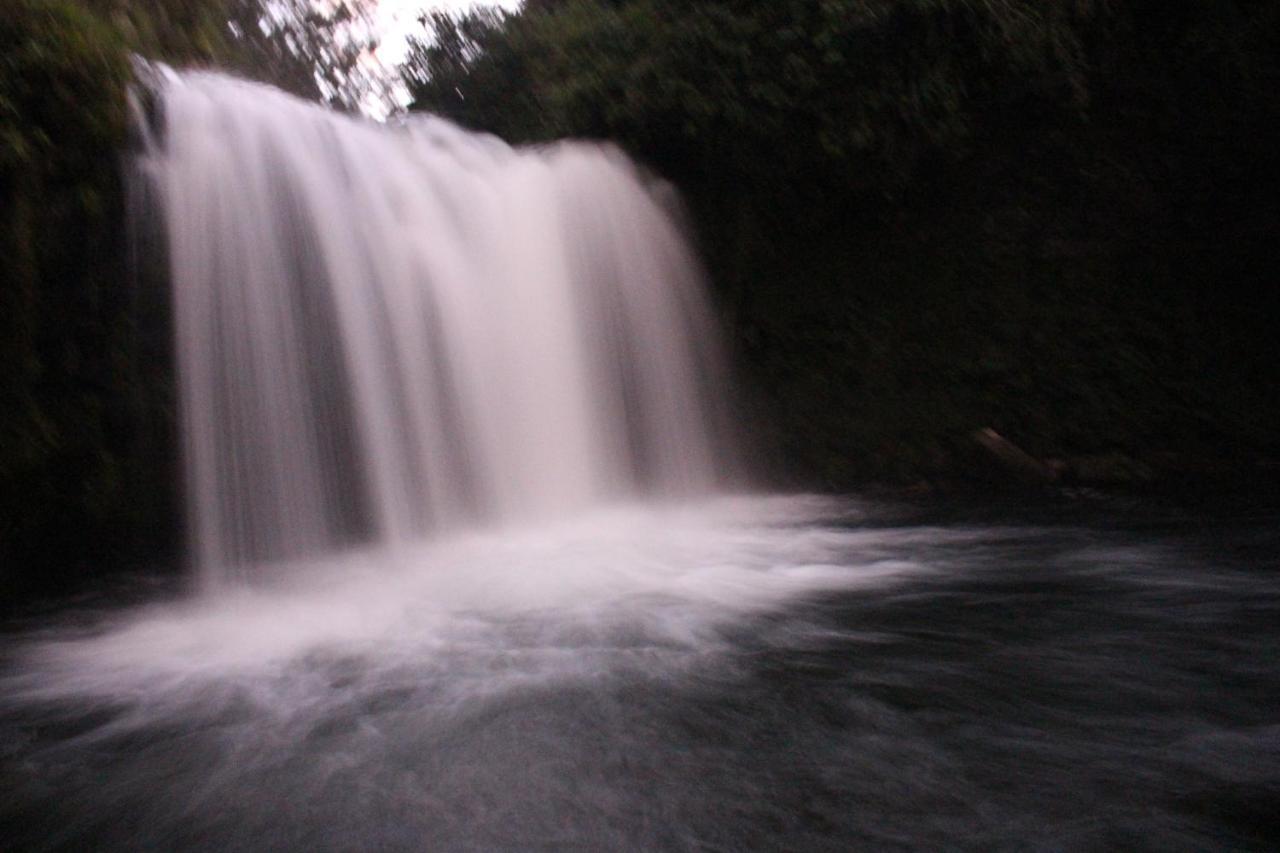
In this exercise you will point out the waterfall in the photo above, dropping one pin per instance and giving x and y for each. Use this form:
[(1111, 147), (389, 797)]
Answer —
[(387, 332)]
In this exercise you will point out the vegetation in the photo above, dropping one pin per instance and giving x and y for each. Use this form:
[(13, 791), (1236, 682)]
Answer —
[(1054, 217), (62, 328), (86, 446)]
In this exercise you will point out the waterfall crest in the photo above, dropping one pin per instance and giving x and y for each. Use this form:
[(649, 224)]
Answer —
[(384, 332)]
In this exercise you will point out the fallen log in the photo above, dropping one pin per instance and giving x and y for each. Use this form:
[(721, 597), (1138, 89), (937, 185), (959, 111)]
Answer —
[(1020, 463)]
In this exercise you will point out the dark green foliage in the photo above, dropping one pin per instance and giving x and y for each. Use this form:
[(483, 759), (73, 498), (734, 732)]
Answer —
[(1055, 217), (844, 85), (67, 467)]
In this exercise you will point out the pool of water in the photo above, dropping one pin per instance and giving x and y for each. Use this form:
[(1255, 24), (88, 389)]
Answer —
[(764, 673)]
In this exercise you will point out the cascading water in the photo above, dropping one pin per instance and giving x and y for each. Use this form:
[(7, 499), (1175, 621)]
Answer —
[(383, 332)]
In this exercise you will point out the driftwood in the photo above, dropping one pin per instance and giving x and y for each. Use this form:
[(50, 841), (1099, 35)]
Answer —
[(1020, 463)]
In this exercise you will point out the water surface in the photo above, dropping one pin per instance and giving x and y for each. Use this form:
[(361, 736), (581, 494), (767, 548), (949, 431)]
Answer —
[(747, 673)]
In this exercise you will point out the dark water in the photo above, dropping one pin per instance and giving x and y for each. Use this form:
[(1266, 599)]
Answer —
[(783, 673)]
